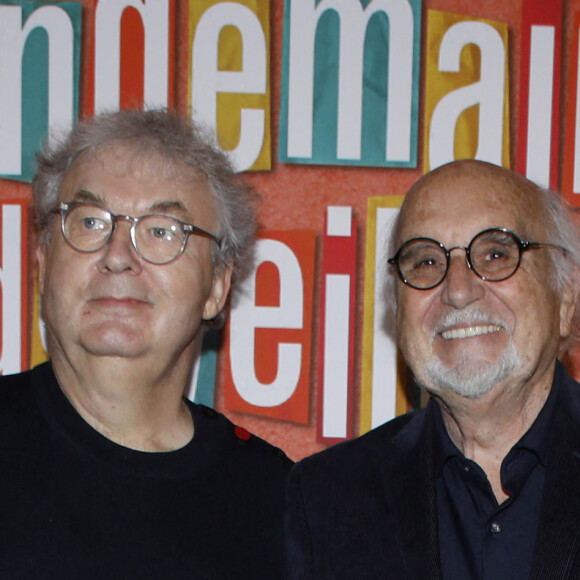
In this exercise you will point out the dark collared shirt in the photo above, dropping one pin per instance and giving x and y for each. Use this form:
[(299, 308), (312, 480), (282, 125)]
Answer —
[(479, 539)]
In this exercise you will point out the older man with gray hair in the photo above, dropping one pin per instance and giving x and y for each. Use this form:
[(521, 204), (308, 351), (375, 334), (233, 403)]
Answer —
[(107, 470), (482, 483)]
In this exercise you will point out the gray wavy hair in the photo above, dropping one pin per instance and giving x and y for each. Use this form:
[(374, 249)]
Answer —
[(172, 137), (562, 227), (561, 223)]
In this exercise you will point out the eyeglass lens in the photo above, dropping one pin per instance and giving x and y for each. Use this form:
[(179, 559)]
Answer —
[(158, 239), (493, 255)]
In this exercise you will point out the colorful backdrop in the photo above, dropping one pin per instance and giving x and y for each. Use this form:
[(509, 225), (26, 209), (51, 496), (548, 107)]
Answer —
[(332, 109)]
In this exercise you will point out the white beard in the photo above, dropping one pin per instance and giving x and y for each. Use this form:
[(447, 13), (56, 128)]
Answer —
[(472, 378)]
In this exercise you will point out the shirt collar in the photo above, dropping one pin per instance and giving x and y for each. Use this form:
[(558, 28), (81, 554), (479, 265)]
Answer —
[(535, 439)]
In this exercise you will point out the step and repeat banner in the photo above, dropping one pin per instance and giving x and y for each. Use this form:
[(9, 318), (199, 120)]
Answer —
[(331, 109)]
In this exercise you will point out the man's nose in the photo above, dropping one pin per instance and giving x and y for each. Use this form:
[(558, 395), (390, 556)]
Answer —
[(119, 254), (461, 286)]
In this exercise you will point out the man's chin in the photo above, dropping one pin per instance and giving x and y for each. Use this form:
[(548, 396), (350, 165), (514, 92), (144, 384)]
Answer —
[(471, 378), (125, 344)]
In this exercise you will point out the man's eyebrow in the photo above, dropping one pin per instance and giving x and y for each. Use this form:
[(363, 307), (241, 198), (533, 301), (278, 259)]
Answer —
[(166, 206), (85, 195), (170, 206)]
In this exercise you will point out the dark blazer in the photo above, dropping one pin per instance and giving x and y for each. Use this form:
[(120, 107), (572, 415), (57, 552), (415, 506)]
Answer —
[(367, 508)]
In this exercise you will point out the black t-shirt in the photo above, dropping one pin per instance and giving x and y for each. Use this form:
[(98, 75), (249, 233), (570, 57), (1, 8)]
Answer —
[(73, 504)]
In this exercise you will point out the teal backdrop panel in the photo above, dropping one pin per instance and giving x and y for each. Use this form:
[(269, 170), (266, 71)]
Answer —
[(205, 386), (43, 65), (340, 53)]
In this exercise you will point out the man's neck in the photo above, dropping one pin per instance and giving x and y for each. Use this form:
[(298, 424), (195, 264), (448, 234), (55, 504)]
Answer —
[(132, 403), (486, 429)]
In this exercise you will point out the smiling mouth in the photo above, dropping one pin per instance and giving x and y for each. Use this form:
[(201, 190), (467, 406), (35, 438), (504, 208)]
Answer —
[(470, 331)]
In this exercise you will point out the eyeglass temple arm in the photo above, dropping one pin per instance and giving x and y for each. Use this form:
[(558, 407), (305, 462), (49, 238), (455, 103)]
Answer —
[(532, 245), (200, 232)]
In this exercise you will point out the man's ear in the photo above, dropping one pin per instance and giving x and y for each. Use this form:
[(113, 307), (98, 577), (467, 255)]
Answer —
[(219, 293), (40, 261), (568, 304)]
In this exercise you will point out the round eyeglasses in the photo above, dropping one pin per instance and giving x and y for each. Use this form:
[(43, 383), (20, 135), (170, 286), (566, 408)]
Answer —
[(494, 254), (158, 239)]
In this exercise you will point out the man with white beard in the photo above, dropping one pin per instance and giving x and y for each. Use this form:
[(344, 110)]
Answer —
[(483, 482)]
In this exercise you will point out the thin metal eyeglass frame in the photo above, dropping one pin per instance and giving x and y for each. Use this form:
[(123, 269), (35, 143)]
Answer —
[(523, 246), (65, 207)]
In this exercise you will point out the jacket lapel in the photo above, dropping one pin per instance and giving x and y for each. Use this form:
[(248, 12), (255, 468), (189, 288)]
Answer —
[(408, 480), (558, 536)]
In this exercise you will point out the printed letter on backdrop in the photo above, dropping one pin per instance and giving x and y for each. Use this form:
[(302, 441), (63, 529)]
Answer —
[(466, 104), (131, 55), (268, 337), (571, 181), (229, 85), (38, 347), (13, 283), (350, 82), (201, 388), (337, 316), (382, 384), (39, 76), (539, 113)]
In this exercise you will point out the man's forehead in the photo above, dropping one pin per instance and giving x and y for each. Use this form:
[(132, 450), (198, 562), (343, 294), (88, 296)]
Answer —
[(469, 193), (126, 158), (146, 178)]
